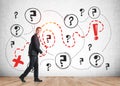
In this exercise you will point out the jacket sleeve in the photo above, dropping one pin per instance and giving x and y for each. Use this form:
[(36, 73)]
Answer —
[(36, 44)]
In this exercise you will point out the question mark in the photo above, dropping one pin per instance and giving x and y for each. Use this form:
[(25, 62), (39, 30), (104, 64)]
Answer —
[(82, 10), (64, 59), (17, 28), (33, 14), (68, 37), (94, 11), (48, 66), (89, 45), (81, 60), (12, 43), (107, 65), (71, 19), (97, 58), (15, 13), (48, 37)]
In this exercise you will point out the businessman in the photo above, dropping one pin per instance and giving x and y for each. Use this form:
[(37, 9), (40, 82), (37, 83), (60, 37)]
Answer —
[(34, 49)]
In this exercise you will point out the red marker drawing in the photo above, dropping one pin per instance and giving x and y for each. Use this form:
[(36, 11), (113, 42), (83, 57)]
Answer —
[(95, 29), (17, 61)]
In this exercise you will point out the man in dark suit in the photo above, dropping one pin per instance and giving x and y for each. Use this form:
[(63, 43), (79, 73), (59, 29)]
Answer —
[(34, 49)]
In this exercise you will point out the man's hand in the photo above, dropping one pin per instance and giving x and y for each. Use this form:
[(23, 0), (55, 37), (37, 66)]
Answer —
[(41, 52)]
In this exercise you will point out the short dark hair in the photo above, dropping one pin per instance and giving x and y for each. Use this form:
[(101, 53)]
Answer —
[(38, 28)]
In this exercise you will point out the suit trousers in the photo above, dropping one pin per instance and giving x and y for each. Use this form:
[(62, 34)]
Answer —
[(33, 64)]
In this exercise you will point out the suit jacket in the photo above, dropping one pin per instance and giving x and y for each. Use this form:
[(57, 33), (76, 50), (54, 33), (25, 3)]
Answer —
[(34, 47)]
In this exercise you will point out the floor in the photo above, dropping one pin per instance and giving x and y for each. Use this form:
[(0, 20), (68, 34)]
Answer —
[(62, 81)]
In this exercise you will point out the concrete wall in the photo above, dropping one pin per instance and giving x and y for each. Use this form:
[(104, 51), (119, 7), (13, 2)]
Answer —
[(68, 30)]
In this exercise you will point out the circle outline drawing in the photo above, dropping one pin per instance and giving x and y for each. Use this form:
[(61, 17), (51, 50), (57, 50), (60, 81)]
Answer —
[(71, 15), (12, 28), (91, 62), (28, 20), (90, 9), (69, 59)]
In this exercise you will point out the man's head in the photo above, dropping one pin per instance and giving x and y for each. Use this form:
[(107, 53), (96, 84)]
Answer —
[(38, 30)]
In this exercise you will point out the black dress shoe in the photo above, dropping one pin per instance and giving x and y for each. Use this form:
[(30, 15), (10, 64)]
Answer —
[(37, 80), (22, 79)]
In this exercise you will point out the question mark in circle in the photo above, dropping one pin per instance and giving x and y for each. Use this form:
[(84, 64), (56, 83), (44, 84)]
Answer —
[(48, 66), (97, 58), (89, 45), (64, 59), (17, 28), (71, 19), (68, 37), (82, 10), (15, 13)]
